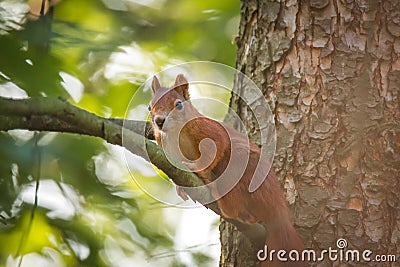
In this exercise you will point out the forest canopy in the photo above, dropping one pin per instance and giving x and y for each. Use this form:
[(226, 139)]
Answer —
[(68, 200)]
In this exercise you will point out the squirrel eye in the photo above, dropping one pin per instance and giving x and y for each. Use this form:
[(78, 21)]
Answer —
[(149, 108), (179, 105)]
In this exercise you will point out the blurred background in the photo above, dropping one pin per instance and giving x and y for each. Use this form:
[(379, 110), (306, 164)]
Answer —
[(69, 200)]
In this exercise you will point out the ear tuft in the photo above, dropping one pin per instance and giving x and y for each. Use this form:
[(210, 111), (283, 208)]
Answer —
[(181, 85), (155, 85)]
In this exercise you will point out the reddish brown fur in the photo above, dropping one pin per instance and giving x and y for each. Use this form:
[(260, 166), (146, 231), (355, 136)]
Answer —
[(266, 205)]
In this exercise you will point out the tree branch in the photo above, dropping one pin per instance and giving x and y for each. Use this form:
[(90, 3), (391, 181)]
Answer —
[(52, 114)]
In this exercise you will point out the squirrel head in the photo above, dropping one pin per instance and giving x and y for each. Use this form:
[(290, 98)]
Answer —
[(167, 99)]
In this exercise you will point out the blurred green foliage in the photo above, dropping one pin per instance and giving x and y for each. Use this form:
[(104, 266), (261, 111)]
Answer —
[(95, 54)]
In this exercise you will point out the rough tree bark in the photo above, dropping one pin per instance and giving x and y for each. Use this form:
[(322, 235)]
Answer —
[(331, 73)]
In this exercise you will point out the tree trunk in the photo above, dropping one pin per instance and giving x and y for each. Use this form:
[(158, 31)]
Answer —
[(330, 71)]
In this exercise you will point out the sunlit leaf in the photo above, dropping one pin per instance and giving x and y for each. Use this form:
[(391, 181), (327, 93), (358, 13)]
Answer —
[(97, 53)]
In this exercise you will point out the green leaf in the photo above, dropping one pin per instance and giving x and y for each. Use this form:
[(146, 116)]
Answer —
[(33, 70)]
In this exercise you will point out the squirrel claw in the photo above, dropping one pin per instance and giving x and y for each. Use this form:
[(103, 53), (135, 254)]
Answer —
[(193, 166), (205, 175), (190, 165)]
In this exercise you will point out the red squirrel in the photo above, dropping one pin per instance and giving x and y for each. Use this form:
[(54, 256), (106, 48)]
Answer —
[(176, 120)]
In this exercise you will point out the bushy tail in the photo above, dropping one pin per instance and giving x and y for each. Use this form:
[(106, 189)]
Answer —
[(283, 236)]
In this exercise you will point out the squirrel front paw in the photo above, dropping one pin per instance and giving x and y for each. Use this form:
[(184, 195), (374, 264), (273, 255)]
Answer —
[(181, 193), (205, 174), (193, 166), (190, 164)]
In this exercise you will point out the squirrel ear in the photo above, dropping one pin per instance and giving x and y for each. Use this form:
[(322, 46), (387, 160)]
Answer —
[(155, 85), (182, 86)]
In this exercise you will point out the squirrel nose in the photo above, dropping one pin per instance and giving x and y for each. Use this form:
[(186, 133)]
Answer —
[(159, 120)]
